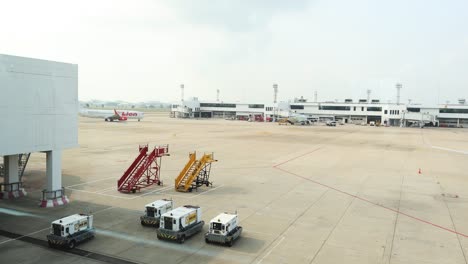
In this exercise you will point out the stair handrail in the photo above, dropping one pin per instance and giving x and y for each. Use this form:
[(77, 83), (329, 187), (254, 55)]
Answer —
[(130, 169), (24, 163), (192, 158), (137, 175), (162, 150), (207, 158)]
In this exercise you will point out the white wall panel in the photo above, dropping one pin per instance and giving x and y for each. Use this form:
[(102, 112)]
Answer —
[(39, 100)]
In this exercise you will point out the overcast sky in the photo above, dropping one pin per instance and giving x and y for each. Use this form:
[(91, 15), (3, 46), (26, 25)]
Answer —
[(144, 50)]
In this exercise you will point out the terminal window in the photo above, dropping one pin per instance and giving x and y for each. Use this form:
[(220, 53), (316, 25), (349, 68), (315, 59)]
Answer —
[(453, 111), (374, 109), (335, 107), (217, 105), (297, 107)]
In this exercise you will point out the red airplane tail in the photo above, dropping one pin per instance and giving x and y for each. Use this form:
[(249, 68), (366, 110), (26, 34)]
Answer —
[(121, 118)]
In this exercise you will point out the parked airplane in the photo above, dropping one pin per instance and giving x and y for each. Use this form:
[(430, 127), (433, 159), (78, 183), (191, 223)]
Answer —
[(111, 115)]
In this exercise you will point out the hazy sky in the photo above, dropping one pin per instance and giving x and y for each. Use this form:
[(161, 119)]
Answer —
[(144, 50)]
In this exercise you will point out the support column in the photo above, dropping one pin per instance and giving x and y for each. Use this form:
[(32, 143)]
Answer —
[(54, 170), (54, 195), (12, 187), (11, 168)]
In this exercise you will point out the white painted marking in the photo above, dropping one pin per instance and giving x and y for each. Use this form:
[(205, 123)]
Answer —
[(193, 196), (271, 250), (109, 195), (13, 239), (452, 150), (102, 210), (158, 190), (254, 232), (84, 183), (113, 188)]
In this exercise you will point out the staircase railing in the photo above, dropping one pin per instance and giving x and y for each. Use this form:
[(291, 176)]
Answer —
[(182, 174), (132, 167)]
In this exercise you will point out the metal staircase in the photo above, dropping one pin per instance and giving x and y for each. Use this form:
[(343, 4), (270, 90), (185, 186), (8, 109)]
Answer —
[(22, 162), (195, 173), (144, 171)]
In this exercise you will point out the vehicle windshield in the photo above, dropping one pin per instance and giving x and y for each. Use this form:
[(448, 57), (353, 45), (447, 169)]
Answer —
[(57, 229), (217, 226), (150, 211)]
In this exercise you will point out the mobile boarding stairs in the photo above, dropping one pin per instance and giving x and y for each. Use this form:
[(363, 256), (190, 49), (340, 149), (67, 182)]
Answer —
[(144, 171), (196, 173)]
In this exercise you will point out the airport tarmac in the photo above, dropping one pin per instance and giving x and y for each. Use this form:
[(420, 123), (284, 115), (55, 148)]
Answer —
[(304, 194)]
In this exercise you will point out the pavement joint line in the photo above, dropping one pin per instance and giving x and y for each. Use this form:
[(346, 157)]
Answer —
[(300, 156), (333, 230), (281, 234), (271, 250), (451, 217), (397, 214), (307, 153), (339, 220), (376, 204)]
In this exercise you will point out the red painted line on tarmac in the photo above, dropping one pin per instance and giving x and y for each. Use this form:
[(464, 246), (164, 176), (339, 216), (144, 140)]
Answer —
[(374, 203), (284, 162)]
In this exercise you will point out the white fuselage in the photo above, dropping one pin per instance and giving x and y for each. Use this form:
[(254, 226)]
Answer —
[(110, 114)]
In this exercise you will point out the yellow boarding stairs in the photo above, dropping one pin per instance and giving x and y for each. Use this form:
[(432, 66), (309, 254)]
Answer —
[(195, 173)]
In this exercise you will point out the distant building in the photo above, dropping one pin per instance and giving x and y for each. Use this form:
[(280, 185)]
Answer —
[(361, 112)]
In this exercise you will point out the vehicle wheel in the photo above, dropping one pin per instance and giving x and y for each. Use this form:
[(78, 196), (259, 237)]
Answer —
[(207, 184), (50, 244), (207, 241), (159, 182), (107, 120), (229, 243), (142, 222), (182, 239), (134, 191), (71, 244)]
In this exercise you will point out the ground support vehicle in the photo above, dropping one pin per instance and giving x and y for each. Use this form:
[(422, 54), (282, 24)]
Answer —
[(69, 231), (223, 229), (180, 223), (154, 211)]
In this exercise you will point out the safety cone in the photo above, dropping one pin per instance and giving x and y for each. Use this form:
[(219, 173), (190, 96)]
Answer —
[(419, 172)]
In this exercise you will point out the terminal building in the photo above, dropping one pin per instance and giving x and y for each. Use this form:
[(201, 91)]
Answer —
[(360, 112)]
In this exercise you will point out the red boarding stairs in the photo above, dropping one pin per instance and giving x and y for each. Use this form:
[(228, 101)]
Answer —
[(144, 171)]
